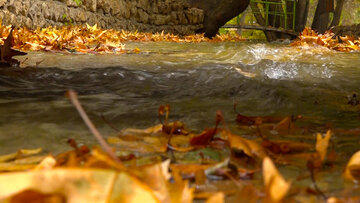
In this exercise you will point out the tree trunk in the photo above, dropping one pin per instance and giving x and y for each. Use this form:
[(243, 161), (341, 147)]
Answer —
[(321, 18), (302, 10), (218, 12), (337, 13), (270, 36)]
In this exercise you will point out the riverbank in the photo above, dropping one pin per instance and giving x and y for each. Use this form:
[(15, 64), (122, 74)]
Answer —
[(351, 30)]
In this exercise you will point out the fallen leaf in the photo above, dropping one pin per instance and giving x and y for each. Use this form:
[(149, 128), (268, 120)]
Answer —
[(216, 198), (275, 185), (352, 170), (249, 147), (322, 144), (78, 185), (7, 52)]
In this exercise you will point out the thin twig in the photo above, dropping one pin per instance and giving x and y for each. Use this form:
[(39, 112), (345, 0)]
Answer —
[(109, 123), (74, 99), (310, 166)]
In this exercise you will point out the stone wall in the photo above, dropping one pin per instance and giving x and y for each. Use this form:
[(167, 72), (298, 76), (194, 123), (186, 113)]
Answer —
[(175, 16)]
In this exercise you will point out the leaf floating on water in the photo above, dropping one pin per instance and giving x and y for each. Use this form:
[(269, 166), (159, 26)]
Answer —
[(206, 136), (287, 125), (322, 144), (275, 185), (249, 147)]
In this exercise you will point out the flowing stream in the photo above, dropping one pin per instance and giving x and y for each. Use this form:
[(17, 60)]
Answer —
[(195, 79)]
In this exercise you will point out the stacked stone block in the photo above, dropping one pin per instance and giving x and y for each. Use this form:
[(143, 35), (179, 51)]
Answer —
[(174, 16)]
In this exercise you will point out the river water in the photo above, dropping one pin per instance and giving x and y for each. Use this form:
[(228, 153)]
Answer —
[(195, 79)]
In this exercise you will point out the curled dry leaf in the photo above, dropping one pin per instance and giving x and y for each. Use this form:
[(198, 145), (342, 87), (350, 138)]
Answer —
[(352, 170), (275, 185), (6, 52), (207, 135)]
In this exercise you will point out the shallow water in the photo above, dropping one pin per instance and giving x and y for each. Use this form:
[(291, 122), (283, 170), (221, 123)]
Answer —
[(195, 79)]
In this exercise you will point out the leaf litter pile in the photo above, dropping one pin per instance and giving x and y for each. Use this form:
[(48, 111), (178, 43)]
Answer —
[(171, 163), (94, 40), (309, 37)]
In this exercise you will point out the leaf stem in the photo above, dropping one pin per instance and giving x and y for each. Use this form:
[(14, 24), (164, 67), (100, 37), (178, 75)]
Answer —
[(75, 101)]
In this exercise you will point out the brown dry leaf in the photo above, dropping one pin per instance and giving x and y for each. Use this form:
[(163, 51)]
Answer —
[(20, 153), (275, 185), (322, 144), (32, 196), (47, 163), (156, 176), (180, 192), (23, 159), (16, 167), (287, 125), (92, 39), (216, 198), (129, 189), (78, 185), (141, 144), (148, 131), (352, 170), (99, 155), (285, 146), (249, 147), (7, 52), (310, 37), (343, 200), (189, 170)]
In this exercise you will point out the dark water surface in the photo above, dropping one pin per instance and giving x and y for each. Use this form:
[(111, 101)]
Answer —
[(195, 79)]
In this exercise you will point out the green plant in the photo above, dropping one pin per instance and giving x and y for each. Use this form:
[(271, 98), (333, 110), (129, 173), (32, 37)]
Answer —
[(67, 20), (78, 2)]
